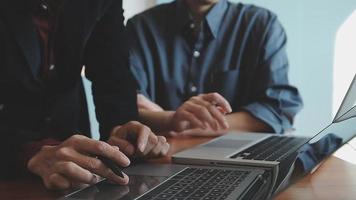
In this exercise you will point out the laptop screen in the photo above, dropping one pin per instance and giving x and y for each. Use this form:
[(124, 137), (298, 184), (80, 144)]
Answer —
[(326, 142), (348, 106), (343, 127), (335, 135)]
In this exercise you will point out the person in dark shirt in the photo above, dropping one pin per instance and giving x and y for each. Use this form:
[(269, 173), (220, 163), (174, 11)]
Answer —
[(208, 66), (44, 124)]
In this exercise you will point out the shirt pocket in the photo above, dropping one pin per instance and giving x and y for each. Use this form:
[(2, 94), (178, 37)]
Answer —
[(225, 83)]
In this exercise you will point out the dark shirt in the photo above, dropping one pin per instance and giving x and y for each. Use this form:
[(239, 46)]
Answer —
[(89, 33), (239, 52), (44, 18)]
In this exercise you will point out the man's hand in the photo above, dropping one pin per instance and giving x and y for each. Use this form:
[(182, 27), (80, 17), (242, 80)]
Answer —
[(206, 111), (73, 163), (146, 104), (137, 140)]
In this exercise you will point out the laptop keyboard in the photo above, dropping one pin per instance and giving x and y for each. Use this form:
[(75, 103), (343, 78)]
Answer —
[(198, 184), (274, 148)]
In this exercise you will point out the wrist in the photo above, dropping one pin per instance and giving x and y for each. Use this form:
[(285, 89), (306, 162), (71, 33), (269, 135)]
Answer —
[(167, 121), (159, 122)]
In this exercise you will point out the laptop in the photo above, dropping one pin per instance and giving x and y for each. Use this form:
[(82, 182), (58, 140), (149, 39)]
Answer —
[(179, 182), (229, 171), (270, 150)]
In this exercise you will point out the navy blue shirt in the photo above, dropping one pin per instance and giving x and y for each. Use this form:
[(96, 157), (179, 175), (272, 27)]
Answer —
[(239, 52)]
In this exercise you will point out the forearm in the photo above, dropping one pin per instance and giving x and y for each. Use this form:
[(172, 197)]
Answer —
[(158, 121), (244, 121)]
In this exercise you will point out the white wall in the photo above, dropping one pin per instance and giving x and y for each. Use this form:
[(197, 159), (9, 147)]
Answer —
[(345, 60), (133, 7)]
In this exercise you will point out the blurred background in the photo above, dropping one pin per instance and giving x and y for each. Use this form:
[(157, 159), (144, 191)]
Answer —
[(321, 50)]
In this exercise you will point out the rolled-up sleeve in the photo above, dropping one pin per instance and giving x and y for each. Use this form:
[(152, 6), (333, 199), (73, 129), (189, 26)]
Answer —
[(276, 102)]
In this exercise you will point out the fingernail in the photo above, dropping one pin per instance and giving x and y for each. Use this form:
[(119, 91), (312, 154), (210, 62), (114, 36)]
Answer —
[(125, 179), (94, 179), (226, 125), (121, 181), (141, 147), (127, 161)]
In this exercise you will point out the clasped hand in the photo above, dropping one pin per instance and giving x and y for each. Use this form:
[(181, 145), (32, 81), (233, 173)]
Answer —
[(202, 115), (74, 162)]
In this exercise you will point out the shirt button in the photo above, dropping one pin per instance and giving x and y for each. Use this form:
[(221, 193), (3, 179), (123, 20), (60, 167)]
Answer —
[(196, 54), (51, 67), (193, 89), (44, 6), (2, 106)]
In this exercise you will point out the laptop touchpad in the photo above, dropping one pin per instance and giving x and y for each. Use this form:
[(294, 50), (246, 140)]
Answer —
[(228, 143)]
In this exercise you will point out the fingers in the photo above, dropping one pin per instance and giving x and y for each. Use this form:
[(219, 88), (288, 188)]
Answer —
[(93, 147), (205, 111), (145, 141), (125, 146), (217, 100), (183, 115), (115, 179), (213, 111), (57, 182), (133, 132), (151, 144), (161, 148), (201, 112), (75, 173), (89, 163), (98, 167), (72, 163), (144, 138)]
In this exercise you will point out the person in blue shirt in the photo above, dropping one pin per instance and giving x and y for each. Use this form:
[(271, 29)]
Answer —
[(204, 67)]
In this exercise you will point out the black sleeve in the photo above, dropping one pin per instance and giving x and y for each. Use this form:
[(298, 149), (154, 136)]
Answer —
[(106, 61)]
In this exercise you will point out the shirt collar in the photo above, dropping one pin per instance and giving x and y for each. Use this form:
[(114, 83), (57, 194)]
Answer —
[(213, 18)]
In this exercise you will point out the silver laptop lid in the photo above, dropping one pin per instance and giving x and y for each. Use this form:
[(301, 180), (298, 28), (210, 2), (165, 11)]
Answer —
[(343, 127), (347, 108)]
